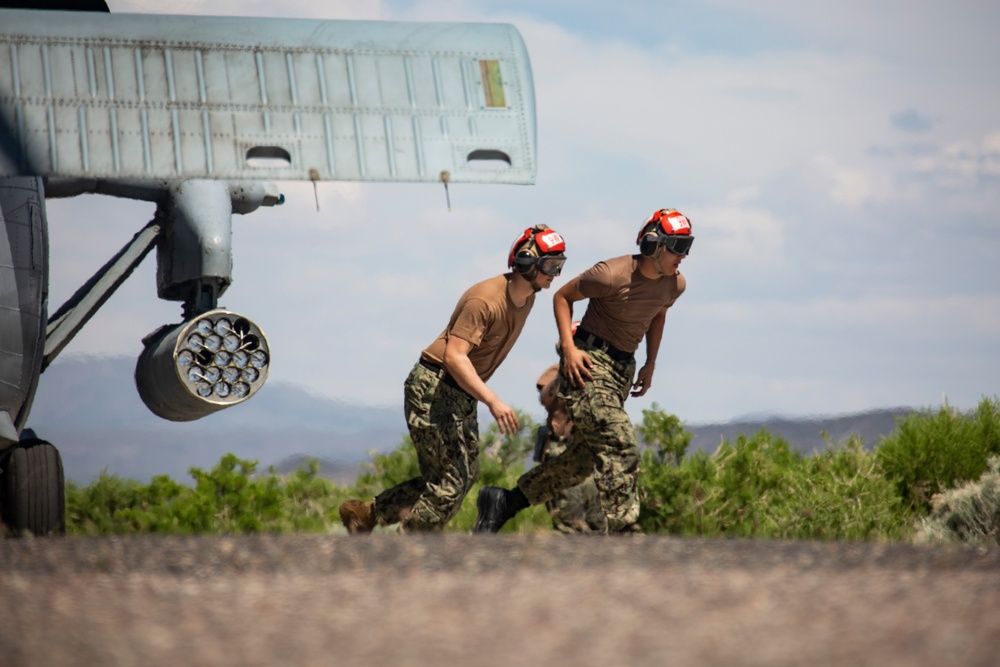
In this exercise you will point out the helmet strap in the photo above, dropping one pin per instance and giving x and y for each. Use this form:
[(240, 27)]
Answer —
[(656, 256), (532, 277)]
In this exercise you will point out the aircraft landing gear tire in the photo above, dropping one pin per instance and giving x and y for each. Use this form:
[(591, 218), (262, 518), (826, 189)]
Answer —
[(32, 489)]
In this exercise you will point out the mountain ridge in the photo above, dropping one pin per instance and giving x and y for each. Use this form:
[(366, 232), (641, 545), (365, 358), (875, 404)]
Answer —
[(88, 408)]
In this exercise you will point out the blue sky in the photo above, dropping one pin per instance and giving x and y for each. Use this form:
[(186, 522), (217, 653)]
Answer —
[(840, 163)]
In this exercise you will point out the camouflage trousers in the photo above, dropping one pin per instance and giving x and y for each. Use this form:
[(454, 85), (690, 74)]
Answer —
[(578, 508), (444, 428), (602, 443)]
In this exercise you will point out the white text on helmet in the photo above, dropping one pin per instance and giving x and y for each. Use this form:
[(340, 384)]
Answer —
[(550, 241)]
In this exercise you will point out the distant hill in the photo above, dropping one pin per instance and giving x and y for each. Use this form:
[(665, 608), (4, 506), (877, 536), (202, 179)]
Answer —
[(339, 472), (88, 407), (804, 434)]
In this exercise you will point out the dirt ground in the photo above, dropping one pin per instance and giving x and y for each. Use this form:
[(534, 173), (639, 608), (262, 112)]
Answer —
[(494, 600)]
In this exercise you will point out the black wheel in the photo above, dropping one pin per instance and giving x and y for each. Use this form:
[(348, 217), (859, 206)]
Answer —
[(32, 489)]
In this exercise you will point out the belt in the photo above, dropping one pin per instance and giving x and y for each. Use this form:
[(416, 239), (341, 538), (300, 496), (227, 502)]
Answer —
[(443, 374), (599, 343)]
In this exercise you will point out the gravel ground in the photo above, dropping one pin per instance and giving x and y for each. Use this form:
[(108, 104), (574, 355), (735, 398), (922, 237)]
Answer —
[(488, 600)]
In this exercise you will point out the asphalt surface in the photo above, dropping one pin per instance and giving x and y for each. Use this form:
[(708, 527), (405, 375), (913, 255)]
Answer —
[(451, 599)]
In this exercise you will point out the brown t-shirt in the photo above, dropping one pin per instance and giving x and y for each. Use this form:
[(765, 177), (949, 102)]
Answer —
[(487, 318), (622, 301)]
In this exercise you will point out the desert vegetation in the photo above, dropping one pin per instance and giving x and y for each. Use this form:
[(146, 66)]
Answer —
[(935, 479)]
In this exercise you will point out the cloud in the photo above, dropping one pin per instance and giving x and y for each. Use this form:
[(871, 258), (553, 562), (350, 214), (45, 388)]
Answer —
[(963, 170), (742, 234), (842, 185), (911, 120), (705, 124), (912, 31), (821, 163)]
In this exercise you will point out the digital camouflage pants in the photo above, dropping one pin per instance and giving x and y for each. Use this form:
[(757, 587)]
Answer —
[(578, 508), (444, 428), (602, 442)]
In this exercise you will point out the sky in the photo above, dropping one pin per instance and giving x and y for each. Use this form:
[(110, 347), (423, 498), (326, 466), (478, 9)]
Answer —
[(840, 163)]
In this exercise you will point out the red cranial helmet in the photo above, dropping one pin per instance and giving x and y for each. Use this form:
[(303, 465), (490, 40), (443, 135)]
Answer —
[(666, 228), (538, 248)]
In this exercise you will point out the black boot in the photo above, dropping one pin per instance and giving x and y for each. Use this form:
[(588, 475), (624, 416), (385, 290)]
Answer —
[(496, 506)]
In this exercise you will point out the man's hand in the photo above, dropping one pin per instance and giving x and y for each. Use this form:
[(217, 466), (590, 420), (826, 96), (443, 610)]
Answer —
[(577, 365), (643, 380), (505, 417)]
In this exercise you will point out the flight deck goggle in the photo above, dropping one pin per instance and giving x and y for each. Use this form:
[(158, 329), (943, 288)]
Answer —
[(550, 266), (679, 245)]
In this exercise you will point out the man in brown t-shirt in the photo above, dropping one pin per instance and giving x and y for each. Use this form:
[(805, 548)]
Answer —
[(628, 298), (442, 390)]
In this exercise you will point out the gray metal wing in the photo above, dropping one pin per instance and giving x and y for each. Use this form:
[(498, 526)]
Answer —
[(176, 97)]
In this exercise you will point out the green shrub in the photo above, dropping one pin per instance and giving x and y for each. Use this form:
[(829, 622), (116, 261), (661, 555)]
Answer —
[(842, 494), (664, 433), (969, 514), (931, 452), (754, 487), (96, 509), (227, 499), (759, 487)]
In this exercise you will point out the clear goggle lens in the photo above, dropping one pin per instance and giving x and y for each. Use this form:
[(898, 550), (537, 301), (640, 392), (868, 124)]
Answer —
[(551, 266)]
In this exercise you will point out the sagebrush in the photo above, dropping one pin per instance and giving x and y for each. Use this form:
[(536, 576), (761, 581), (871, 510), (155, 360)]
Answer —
[(757, 486)]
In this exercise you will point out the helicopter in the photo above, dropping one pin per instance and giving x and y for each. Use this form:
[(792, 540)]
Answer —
[(205, 117)]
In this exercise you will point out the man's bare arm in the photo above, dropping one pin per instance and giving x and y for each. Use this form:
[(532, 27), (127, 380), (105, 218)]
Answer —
[(576, 363), (459, 366), (654, 334)]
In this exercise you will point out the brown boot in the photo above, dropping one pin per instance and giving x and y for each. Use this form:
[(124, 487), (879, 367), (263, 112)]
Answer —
[(358, 516)]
